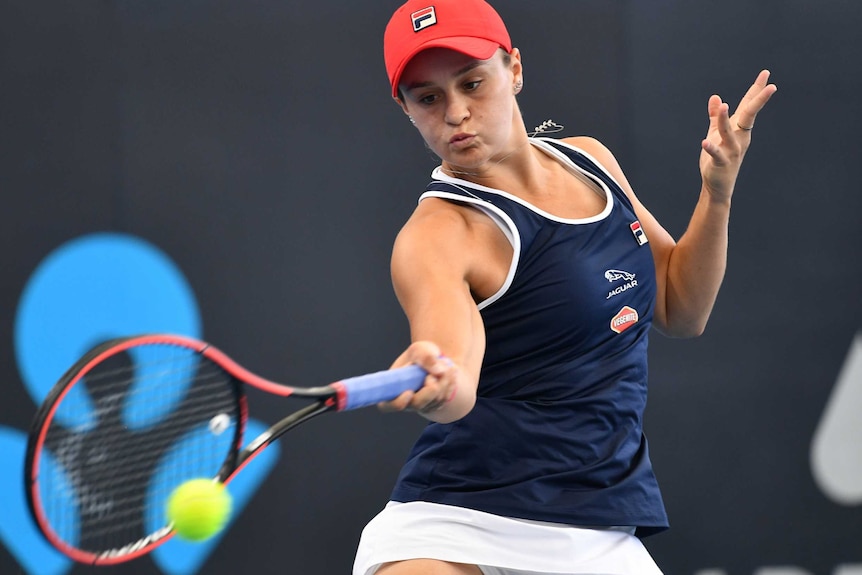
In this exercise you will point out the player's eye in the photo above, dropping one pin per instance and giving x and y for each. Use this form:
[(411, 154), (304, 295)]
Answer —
[(427, 99)]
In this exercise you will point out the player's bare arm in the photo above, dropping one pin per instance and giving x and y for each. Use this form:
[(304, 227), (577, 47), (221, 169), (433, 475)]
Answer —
[(689, 272), (435, 265)]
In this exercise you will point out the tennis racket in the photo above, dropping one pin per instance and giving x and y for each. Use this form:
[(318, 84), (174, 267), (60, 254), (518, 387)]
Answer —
[(136, 417)]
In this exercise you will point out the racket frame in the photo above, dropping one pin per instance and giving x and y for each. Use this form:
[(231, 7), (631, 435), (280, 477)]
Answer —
[(330, 397)]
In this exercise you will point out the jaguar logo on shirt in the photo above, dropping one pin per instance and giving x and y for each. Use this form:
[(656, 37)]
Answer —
[(624, 319), (614, 276)]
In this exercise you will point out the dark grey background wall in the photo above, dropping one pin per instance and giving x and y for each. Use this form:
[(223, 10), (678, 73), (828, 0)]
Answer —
[(253, 142)]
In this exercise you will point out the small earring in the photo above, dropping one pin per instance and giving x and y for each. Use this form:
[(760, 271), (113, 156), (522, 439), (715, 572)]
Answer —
[(518, 85), (412, 121)]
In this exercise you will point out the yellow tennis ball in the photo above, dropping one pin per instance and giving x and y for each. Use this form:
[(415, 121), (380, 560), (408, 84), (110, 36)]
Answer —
[(199, 508)]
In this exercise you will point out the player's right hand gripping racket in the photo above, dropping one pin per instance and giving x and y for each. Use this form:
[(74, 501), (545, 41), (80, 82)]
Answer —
[(138, 416)]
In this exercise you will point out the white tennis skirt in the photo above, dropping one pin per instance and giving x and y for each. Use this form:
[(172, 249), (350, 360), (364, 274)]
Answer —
[(498, 545)]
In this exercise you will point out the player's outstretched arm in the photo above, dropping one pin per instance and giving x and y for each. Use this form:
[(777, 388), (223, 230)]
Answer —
[(431, 262)]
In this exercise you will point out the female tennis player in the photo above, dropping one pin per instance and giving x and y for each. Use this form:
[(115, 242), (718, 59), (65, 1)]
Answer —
[(531, 274)]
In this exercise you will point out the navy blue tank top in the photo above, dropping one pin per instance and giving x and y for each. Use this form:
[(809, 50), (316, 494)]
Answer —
[(556, 433)]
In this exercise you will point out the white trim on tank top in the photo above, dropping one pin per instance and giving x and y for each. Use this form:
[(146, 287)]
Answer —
[(504, 222), (573, 168)]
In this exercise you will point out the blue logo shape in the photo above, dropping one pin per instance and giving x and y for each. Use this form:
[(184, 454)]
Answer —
[(17, 529), (89, 290)]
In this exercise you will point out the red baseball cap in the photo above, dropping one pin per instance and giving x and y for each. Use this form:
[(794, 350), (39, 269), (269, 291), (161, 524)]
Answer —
[(471, 27)]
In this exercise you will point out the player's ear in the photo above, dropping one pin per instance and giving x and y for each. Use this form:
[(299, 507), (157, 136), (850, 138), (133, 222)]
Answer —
[(400, 101), (516, 66)]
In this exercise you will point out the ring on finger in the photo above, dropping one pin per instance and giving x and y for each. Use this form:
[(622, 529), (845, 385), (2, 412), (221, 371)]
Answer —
[(745, 128)]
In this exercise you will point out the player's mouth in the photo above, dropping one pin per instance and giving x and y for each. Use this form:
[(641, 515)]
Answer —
[(461, 140)]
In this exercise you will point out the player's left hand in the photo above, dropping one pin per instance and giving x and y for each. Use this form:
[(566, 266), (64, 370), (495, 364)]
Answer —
[(729, 137)]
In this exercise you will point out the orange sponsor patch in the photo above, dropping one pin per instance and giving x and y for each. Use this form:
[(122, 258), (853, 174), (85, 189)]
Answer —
[(624, 319)]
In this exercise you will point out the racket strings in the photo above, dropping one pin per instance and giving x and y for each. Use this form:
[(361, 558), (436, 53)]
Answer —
[(135, 431), (109, 382), (115, 375)]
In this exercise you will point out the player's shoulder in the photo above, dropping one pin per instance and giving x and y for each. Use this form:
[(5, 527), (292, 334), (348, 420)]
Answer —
[(597, 151), (437, 240), (588, 144), (434, 222), (435, 214)]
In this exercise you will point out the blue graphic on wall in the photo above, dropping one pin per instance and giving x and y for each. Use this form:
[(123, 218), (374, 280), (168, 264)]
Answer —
[(89, 290)]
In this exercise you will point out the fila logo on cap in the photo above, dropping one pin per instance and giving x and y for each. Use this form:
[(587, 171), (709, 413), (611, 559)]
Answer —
[(423, 18)]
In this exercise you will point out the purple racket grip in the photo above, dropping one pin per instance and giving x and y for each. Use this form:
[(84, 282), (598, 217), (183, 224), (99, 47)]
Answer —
[(364, 390)]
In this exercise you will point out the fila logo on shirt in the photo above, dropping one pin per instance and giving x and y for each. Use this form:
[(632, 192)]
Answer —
[(423, 18), (614, 276), (638, 232)]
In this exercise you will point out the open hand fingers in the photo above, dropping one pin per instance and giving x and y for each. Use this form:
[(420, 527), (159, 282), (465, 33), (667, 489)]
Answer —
[(753, 101), (729, 137), (720, 129)]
